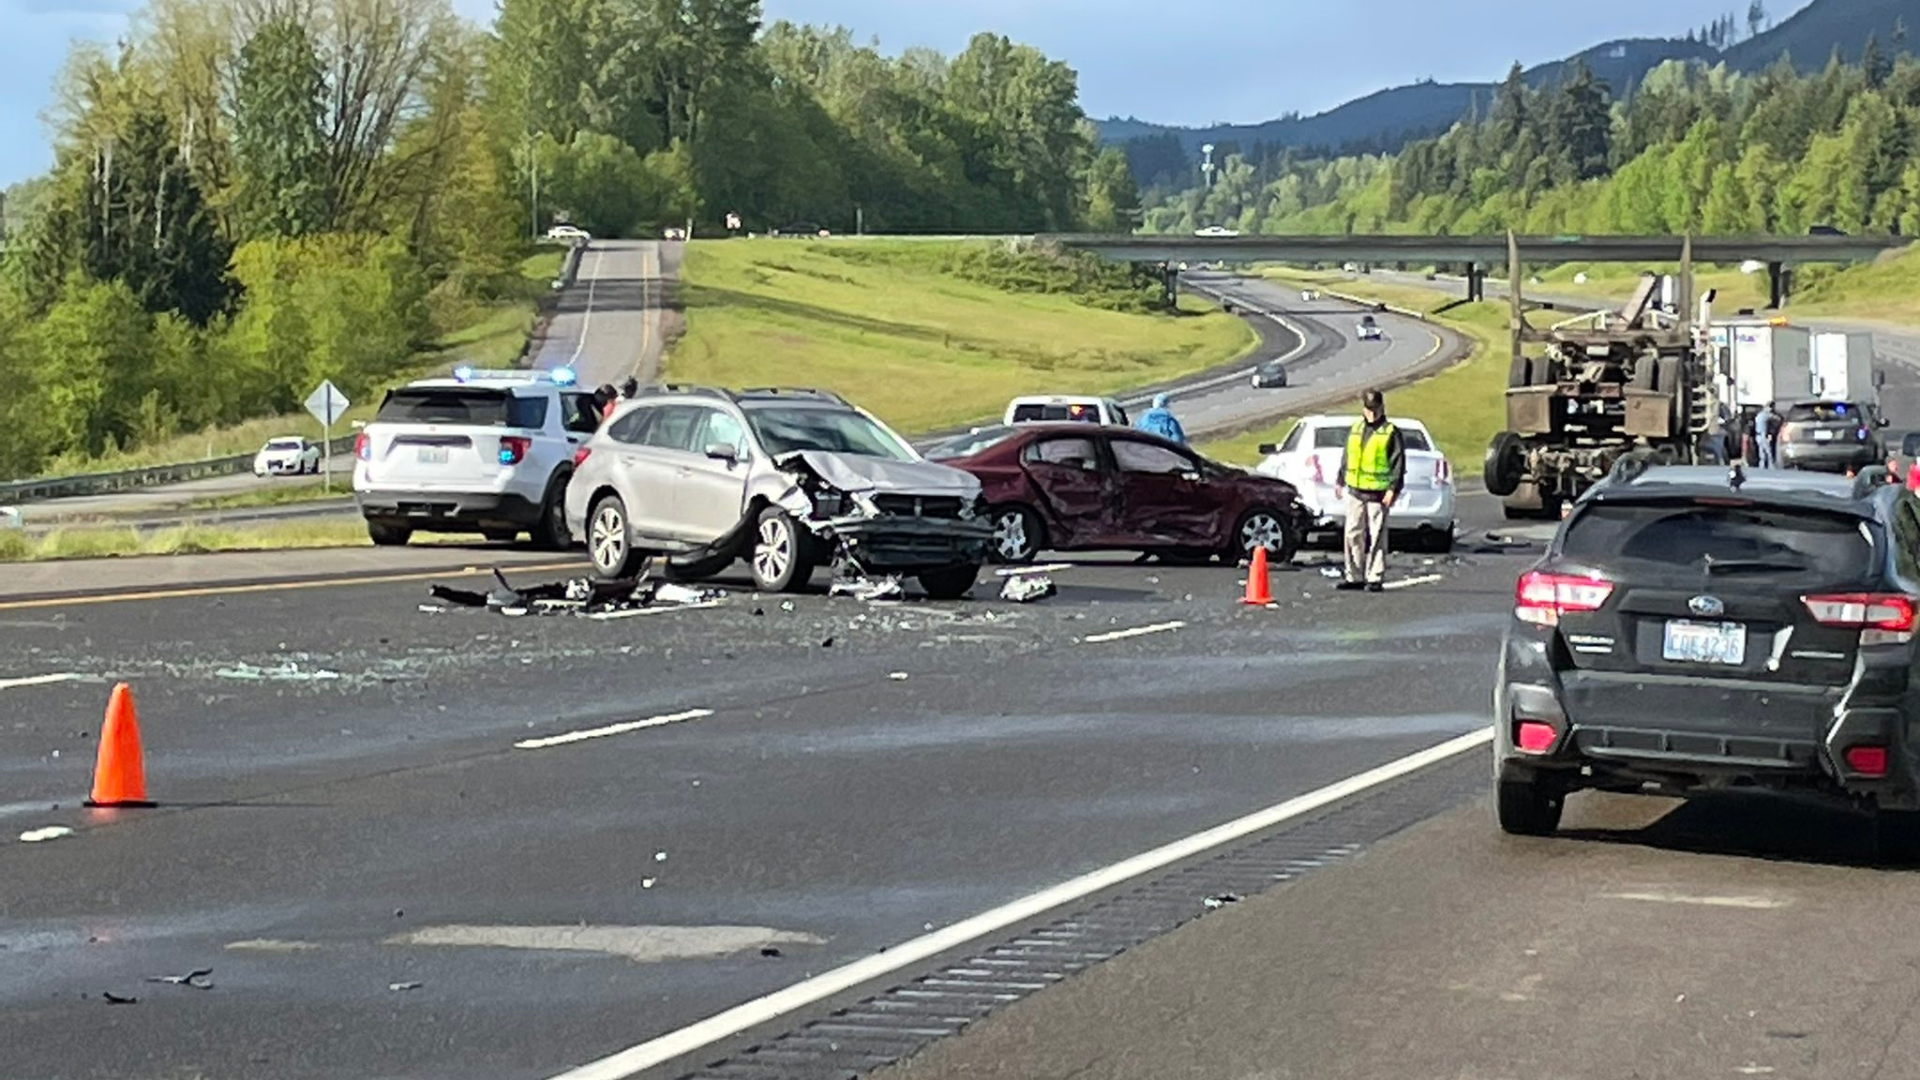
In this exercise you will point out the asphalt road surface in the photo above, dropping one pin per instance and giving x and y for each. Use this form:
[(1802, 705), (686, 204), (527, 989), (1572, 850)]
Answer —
[(1327, 364), (345, 809)]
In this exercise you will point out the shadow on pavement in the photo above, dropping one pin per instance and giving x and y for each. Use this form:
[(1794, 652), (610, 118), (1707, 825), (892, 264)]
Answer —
[(1758, 825)]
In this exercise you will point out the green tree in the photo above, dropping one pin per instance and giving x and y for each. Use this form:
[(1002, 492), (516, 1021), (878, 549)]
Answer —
[(279, 145), (1112, 195)]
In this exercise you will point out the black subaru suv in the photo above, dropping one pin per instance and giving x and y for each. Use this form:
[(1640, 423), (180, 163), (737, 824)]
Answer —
[(1693, 628)]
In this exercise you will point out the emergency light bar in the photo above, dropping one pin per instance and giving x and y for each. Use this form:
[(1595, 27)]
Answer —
[(560, 376)]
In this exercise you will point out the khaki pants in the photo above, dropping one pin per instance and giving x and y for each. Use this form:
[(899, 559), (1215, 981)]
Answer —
[(1366, 539)]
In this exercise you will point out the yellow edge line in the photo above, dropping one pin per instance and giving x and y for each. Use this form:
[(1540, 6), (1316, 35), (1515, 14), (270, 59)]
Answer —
[(270, 586)]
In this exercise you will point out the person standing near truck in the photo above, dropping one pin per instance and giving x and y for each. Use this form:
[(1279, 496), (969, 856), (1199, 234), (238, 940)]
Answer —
[(1765, 433), (1373, 470)]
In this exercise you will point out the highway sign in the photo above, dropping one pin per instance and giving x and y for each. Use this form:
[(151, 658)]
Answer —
[(327, 403)]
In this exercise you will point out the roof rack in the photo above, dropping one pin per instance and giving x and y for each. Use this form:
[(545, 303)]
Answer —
[(694, 390), (793, 391)]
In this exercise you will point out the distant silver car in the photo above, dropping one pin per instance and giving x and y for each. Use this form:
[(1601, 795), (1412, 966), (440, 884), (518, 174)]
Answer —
[(787, 479)]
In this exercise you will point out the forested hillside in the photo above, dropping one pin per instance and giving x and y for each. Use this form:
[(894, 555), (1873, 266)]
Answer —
[(1693, 148), (250, 197)]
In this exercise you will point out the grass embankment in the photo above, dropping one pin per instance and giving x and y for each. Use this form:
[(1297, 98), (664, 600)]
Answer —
[(287, 494), (86, 542), (929, 335), (484, 335), (1463, 405)]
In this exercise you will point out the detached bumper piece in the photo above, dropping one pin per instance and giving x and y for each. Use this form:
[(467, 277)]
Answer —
[(907, 545)]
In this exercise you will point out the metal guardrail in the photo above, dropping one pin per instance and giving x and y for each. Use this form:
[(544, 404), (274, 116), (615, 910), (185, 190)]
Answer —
[(106, 483)]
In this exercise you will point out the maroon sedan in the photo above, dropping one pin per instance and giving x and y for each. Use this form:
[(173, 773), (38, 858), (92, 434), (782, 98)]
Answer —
[(1075, 487)]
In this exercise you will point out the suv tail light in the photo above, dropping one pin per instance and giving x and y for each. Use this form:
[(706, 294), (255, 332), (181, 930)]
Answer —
[(1881, 618), (1868, 761), (580, 455), (363, 447), (513, 449), (1541, 598)]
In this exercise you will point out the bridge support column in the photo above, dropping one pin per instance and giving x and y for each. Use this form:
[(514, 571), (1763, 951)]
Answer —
[(1476, 282), (1779, 284), (1170, 281)]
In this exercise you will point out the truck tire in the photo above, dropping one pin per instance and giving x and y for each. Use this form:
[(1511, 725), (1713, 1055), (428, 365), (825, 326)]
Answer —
[(1504, 466)]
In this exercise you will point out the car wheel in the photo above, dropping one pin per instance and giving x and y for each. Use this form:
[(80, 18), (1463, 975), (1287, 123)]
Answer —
[(1263, 527), (384, 535), (1504, 465), (1896, 837), (609, 544), (1530, 807), (950, 583), (779, 558), (550, 533), (1017, 535)]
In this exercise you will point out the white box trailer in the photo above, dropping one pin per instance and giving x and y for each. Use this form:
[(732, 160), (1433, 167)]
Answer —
[(1844, 369), (1765, 362)]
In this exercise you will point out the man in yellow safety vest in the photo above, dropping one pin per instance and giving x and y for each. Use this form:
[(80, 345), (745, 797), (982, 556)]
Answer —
[(1373, 469)]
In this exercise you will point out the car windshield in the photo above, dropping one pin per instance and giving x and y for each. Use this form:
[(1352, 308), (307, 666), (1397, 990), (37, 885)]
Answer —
[(1806, 546), (444, 405), (840, 431), (284, 444), (969, 445), (1821, 412), (1047, 412)]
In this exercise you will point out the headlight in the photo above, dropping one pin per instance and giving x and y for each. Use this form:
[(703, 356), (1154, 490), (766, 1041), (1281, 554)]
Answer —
[(974, 508)]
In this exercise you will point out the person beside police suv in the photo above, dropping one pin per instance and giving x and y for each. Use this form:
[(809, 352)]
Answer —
[(1373, 470)]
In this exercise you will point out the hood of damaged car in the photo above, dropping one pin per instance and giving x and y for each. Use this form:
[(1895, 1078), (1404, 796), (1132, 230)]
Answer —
[(858, 474)]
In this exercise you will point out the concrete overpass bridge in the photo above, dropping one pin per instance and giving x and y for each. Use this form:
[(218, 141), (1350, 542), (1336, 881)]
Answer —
[(1780, 253)]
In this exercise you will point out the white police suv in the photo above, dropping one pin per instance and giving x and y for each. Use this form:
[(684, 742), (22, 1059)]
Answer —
[(483, 451)]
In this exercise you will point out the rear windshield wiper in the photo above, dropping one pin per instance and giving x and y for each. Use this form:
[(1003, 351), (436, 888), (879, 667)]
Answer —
[(1753, 566)]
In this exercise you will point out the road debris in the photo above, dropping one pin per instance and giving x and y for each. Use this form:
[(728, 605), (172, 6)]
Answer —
[(898, 676), (196, 978), (659, 856), (576, 596), (119, 999), (1027, 588), (51, 832), (868, 589), (404, 986), (1214, 903), (1331, 573), (770, 952)]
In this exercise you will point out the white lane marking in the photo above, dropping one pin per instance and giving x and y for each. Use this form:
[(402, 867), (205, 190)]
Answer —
[(1408, 583), (731, 1022), (41, 680), (1138, 631), (606, 616), (612, 729), (1750, 903), (271, 945), (1049, 568), (593, 284), (51, 832)]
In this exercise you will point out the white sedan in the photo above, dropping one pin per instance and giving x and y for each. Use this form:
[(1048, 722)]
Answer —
[(1309, 459), (1369, 330), (288, 455), (568, 232)]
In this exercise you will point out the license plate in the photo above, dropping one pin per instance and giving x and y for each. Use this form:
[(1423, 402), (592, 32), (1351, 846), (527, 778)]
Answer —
[(433, 455), (1705, 643), (1823, 436)]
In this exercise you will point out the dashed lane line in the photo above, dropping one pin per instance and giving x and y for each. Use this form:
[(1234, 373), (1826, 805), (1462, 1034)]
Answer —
[(41, 680), (1138, 631), (1408, 583), (612, 729)]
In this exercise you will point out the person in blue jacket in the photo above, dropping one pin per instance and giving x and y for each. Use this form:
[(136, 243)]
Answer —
[(1159, 420)]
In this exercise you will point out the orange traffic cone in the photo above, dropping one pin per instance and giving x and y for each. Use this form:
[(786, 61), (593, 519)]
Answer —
[(1259, 590), (119, 778)]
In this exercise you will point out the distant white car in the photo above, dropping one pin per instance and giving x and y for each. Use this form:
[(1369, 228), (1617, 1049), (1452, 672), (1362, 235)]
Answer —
[(1369, 330), (1309, 459), (568, 232), (287, 455), (1216, 230)]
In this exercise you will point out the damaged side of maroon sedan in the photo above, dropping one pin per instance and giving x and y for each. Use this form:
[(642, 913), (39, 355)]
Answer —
[(1068, 487)]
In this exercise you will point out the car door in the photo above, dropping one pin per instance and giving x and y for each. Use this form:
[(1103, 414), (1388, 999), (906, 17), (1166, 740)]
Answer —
[(1166, 496), (662, 463), (1075, 487), (709, 494)]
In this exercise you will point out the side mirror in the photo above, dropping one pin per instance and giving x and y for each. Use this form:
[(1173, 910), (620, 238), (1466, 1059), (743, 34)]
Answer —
[(1269, 448), (724, 452)]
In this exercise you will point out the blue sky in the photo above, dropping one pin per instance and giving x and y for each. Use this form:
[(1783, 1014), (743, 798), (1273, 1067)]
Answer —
[(1190, 63)]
